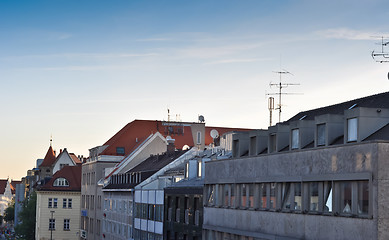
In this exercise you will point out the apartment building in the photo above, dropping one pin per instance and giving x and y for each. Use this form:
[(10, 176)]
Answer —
[(320, 175)]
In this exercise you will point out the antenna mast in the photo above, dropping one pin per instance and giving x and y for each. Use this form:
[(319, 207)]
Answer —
[(280, 86), (384, 56)]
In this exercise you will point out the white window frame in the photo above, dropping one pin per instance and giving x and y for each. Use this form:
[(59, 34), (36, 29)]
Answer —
[(352, 129)]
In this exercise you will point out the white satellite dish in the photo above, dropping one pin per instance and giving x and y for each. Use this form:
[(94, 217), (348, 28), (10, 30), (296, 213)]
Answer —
[(214, 133)]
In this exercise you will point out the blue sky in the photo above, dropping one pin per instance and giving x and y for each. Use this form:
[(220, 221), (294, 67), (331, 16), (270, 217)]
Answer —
[(81, 70)]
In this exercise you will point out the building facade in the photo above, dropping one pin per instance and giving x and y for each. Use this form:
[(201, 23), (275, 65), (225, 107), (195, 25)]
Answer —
[(58, 206), (320, 175)]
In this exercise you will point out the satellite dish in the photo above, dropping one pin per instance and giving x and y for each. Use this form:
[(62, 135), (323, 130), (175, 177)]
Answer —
[(214, 133), (201, 119), (388, 75)]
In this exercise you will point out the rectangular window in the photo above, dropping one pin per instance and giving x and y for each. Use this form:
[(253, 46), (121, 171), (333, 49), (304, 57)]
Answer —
[(198, 138), (313, 197), (55, 203), (66, 224), (51, 224), (243, 195), (345, 197), (69, 203), (273, 143), (187, 170), (210, 196), (226, 194), (295, 138), (328, 196), (363, 197), (120, 151), (297, 196), (50, 203), (321, 135), (151, 212), (286, 196), (273, 195), (251, 195), (352, 129), (64, 203), (263, 195), (199, 169)]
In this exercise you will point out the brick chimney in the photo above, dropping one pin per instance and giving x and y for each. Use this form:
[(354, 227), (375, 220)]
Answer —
[(170, 144)]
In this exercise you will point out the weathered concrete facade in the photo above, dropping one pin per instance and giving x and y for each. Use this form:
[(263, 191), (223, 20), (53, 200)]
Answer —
[(352, 162)]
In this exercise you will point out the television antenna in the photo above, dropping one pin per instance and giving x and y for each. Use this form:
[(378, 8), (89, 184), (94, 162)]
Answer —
[(280, 86), (382, 56)]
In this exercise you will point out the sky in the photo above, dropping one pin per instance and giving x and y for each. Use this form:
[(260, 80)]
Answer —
[(80, 70)]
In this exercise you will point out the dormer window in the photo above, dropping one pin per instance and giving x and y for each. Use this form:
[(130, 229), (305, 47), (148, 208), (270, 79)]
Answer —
[(198, 138), (273, 143), (352, 129), (295, 138), (120, 151), (321, 137), (61, 182)]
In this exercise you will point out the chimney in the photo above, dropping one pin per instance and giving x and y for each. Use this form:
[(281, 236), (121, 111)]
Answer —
[(170, 144), (60, 151)]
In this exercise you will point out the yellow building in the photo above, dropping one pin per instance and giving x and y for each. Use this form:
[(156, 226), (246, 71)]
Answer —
[(58, 206)]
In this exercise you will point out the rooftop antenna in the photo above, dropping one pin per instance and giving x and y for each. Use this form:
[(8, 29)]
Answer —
[(168, 115), (280, 86), (51, 140), (271, 108), (382, 56)]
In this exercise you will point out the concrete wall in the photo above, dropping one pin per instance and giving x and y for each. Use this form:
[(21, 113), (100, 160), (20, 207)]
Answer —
[(341, 162)]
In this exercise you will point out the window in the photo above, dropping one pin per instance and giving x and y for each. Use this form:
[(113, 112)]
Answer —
[(64, 203), (69, 203), (50, 203), (51, 224), (328, 196), (352, 126), (286, 190), (66, 224), (273, 195), (62, 165), (345, 197), (61, 182), (295, 138), (198, 138), (151, 212), (120, 151), (321, 137), (273, 143), (199, 168), (55, 203), (187, 170), (363, 197), (313, 197), (297, 196), (263, 196)]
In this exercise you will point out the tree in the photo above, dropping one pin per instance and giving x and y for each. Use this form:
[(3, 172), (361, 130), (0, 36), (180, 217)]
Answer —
[(9, 213), (26, 228)]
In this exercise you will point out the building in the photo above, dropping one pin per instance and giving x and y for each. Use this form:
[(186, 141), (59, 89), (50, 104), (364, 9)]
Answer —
[(58, 206), (117, 156), (322, 174)]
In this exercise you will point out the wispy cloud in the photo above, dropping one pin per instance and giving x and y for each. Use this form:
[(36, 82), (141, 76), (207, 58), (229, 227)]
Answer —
[(83, 55), (217, 51), (346, 33), (236, 60), (153, 39)]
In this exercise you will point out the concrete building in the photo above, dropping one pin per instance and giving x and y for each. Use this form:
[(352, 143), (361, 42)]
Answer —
[(58, 206), (118, 151), (323, 174)]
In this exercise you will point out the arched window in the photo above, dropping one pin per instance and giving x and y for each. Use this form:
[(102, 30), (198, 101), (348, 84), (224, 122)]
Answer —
[(61, 182)]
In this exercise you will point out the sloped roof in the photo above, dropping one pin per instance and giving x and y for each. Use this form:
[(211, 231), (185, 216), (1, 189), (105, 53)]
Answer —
[(13, 185), (3, 185), (49, 158), (75, 159), (381, 134), (156, 162), (135, 132), (380, 100), (70, 173)]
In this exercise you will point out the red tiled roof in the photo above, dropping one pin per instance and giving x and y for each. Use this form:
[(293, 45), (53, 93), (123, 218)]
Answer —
[(70, 173), (3, 185), (75, 158), (141, 129), (13, 185), (49, 158)]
